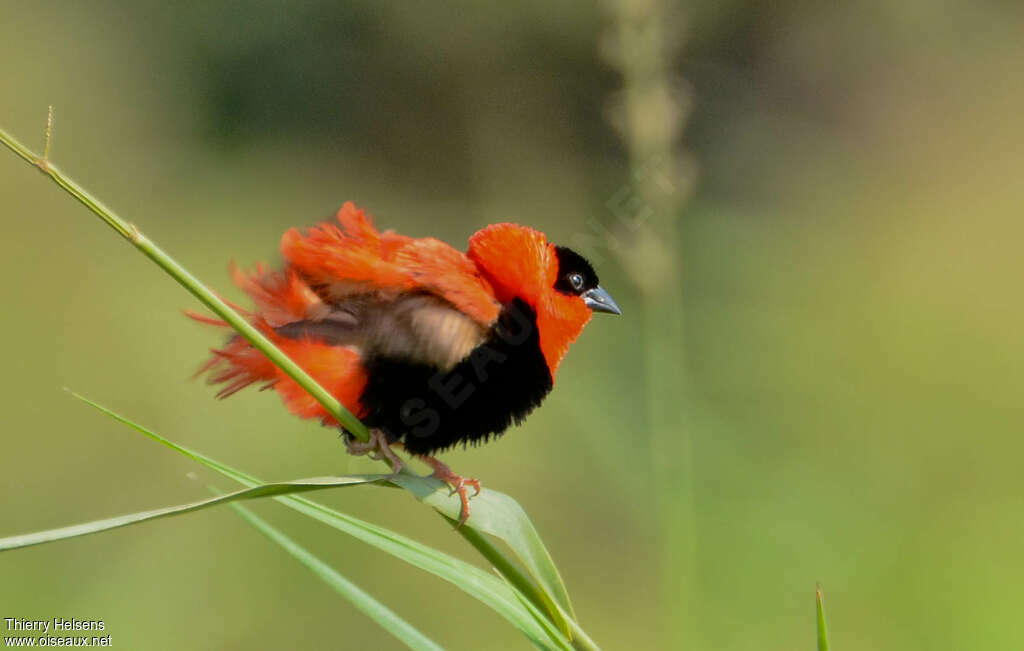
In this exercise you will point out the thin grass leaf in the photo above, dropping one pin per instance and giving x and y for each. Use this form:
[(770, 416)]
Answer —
[(470, 579), (369, 606), (434, 493), (539, 617), (262, 490), (511, 572), (819, 598), (501, 516)]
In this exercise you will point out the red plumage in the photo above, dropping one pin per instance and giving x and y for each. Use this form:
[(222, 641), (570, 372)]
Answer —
[(393, 325)]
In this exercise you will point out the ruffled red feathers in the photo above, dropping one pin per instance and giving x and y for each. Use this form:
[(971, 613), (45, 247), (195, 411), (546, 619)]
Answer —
[(335, 262), (356, 259)]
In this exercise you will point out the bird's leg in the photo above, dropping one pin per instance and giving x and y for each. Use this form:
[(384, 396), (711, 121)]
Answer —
[(457, 482), (377, 447)]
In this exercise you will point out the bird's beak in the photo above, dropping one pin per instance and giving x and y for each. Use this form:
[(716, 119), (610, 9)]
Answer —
[(598, 300)]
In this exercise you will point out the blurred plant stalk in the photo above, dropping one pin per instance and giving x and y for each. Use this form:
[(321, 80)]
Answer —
[(649, 113)]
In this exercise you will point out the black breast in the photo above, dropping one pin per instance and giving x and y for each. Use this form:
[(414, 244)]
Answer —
[(501, 381)]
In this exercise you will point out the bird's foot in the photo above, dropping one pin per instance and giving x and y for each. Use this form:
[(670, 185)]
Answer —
[(457, 482), (377, 448)]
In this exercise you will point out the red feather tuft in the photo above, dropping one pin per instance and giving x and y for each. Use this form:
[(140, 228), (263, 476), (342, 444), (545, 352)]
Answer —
[(356, 259), (337, 369), (280, 298)]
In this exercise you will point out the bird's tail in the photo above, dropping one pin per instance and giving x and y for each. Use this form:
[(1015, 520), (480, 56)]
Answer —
[(281, 298)]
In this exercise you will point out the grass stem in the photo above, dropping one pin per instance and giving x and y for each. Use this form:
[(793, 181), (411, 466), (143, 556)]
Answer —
[(191, 283)]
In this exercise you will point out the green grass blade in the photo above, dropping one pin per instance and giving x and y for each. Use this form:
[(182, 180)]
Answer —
[(369, 606), (540, 618), (470, 579), (822, 628), (262, 490), (431, 491), (501, 516)]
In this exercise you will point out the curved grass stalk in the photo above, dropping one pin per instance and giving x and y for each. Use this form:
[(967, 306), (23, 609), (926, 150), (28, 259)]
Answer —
[(217, 305)]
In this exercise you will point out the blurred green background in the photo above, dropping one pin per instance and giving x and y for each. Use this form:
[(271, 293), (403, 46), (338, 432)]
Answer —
[(850, 394)]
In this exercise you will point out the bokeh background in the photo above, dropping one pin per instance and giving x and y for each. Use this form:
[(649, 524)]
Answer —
[(817, 377)]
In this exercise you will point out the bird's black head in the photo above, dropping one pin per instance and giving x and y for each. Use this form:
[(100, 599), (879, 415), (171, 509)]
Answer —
[(576, 277)]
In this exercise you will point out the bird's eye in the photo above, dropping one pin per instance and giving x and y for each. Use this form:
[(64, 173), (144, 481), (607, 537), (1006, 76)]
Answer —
[(576, 280)]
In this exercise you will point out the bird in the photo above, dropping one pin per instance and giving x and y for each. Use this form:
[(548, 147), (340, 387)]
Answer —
[(429, 346)]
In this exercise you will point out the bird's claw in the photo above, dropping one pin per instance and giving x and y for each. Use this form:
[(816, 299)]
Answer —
[(457, 483), (460, 483), (464, 498), (377, 448)]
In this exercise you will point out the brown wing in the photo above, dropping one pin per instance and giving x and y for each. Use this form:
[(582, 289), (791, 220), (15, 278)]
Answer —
[(418, 327)]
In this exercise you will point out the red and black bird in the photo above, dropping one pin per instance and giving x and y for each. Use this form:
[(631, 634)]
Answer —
[(428, 346)]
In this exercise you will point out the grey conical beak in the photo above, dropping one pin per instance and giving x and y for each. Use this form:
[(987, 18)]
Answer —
[(598, 300)]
